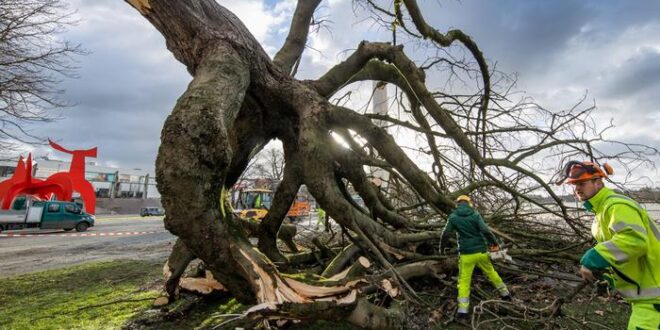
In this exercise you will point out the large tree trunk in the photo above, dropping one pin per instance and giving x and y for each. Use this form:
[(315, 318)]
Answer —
[(236, 101)]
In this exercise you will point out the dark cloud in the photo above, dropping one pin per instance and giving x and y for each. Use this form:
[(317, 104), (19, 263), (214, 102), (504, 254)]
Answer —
[(520, 35), (638, 76), (609, 18), (128, 84), (111, 81), (529, 36)]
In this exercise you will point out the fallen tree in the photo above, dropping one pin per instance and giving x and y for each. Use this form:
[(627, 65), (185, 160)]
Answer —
[(478, 142)]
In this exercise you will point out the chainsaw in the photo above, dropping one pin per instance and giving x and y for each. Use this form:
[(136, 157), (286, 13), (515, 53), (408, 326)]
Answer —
[(497, 253)]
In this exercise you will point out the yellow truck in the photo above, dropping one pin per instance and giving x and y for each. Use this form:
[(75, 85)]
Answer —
[(254, 203)]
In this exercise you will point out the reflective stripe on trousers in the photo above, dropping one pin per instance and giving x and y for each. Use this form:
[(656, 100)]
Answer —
[(466, 264), (463, 305), (502, 290)]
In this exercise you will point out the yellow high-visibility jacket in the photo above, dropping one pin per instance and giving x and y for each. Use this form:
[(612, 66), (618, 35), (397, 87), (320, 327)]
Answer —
[(629, 242)]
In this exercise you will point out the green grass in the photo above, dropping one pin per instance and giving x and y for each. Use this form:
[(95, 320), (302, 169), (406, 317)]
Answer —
[(98, 295), (108, 295), (88, 296)]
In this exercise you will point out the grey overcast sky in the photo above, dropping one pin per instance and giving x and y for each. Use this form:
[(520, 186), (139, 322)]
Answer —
[(561, 50)]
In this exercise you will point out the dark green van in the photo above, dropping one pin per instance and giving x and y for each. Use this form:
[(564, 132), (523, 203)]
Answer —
[(47, 215)]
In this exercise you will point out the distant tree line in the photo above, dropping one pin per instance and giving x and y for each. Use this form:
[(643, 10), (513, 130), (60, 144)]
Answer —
[(647, 194), (644, 195)]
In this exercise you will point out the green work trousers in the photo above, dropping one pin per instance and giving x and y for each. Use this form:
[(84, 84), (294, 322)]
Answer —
[(466, 265), (644, 316)]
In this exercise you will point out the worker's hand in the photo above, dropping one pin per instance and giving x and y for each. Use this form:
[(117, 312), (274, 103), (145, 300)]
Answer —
[(586, 274), (602, 288), (604, 285), (494, 248)]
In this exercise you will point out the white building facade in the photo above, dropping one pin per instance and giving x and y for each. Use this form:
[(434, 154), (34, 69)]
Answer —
[(108, 182)]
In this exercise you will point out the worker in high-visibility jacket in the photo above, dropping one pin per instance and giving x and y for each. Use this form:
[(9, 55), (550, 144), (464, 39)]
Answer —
[(320, 217), (472, 230), (628, 242)]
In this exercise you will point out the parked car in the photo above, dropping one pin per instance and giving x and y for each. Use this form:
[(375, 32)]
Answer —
[(147, 211), (46, 215)]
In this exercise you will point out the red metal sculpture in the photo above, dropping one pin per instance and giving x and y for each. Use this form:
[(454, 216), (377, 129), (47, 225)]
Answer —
[(60, 185)]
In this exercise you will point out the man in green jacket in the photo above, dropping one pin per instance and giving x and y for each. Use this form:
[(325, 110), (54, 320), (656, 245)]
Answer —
[(472, 249), (627, 243)]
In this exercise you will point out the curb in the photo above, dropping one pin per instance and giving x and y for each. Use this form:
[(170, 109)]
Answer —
[(128, 233)]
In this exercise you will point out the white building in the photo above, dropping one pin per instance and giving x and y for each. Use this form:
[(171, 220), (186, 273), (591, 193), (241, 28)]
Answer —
[(107, 181)]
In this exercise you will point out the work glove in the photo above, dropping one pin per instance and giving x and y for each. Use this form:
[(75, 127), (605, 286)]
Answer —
[(602, 289), (604, 283)]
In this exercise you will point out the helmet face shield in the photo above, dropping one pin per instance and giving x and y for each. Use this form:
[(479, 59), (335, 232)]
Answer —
[(578, 170), (581, 171)]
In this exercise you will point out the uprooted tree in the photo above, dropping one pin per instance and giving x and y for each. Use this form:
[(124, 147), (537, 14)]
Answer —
[(478, 141)]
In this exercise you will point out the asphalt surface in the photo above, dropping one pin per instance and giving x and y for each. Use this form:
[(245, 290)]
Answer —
[(120, 237)]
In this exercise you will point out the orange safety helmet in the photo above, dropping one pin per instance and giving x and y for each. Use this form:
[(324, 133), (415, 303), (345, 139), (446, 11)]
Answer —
[(575, 172), (464, 198)]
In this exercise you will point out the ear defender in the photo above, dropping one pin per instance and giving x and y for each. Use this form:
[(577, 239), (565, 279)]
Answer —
[(608, 169)]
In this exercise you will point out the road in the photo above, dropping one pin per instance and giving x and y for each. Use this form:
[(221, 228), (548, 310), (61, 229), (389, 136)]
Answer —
[(126, 237)]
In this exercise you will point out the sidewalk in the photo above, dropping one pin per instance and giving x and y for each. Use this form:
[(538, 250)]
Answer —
[(124, 216)]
